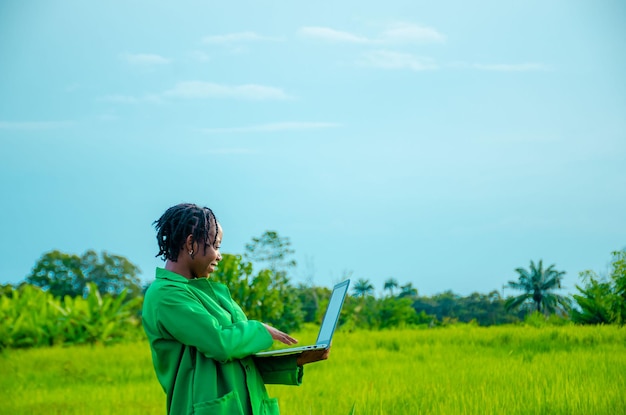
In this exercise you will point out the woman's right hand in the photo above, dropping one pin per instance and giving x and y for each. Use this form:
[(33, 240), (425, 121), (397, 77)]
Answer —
[(280, 336)]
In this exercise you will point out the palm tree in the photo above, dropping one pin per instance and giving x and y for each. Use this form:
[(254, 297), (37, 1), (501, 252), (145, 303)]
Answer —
[(363, 288), (538, 285), (407, 290), (390, 285)]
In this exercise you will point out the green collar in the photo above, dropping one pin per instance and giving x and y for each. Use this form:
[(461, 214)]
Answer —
[(162, 273)]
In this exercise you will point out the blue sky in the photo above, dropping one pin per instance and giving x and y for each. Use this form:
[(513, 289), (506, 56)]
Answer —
[(439, 143)]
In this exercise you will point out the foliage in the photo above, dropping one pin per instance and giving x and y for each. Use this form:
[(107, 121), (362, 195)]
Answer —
[(538, 285), (398, 312), (390, 284), (64, 274), (6, 290), (484, 309), (272, 249), (594, 301), (361, 312), (380, 313), (314, 301), (59, 273), (618, 276), (266, 296), (603, 300), (407, 290), (367, 311), (363, 288), (32, 318)]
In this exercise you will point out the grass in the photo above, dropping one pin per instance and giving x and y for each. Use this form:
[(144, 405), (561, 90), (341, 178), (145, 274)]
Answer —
[(80, 380), (469, 370), (454, 370)]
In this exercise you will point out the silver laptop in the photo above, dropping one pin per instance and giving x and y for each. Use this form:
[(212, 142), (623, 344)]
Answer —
[(326, 329)]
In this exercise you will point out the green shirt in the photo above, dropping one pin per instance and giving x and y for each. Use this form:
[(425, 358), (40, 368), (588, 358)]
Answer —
[(202, 346)]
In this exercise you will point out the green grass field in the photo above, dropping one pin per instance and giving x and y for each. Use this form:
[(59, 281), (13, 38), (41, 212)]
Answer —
[(453, 370)]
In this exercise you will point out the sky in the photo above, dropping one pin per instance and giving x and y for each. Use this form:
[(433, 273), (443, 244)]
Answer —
[(439, 143)]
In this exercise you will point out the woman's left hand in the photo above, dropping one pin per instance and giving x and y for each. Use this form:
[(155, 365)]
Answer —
[(310, 356), (279, 335)]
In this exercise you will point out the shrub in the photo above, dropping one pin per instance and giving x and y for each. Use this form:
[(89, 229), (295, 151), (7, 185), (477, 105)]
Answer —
[(31, 317)]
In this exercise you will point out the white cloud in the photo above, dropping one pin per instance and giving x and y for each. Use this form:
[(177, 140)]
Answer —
[(515, 67), (238, 37), (396, 60), (203, 90), (130, 99), (199, 89), (34, 125), (145, 59), (272, 127), (399, 32), (410, 33), (332, 35)]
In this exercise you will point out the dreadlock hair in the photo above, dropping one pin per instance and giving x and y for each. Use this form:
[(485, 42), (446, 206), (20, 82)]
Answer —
[(182, 220)]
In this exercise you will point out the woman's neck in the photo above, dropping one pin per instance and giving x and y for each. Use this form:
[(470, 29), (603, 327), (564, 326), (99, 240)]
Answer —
[(179, 269)]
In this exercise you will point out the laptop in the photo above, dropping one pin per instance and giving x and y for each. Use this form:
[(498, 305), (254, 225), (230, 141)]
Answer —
[(326, 329)]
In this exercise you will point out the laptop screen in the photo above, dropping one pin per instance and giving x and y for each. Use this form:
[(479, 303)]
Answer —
[(332, 312)]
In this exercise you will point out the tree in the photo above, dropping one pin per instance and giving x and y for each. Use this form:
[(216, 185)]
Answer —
[(594, 301), (272, 249), (6, 290), (314, 301), (278, 300), (396, 312), (112, 274), (538, 285), (266, 296), (484, 309), (363, 288), (407, 290), (618, 276), (59, 273), (449, 304), (391, 284), (603, 300), (64, 274)]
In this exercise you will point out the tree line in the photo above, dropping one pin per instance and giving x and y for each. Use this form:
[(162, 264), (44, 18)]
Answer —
[(260, 281)]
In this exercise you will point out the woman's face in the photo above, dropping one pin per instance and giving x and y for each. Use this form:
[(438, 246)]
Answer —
[(207, 255)]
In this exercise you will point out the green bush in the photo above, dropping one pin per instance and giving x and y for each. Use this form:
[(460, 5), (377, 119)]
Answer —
[(31, 317)]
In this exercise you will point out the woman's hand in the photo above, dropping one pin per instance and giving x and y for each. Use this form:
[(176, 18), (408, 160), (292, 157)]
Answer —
[(310, 356), (280, 336)]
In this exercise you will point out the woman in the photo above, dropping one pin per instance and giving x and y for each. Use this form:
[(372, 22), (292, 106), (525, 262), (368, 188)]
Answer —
[(202, 343)]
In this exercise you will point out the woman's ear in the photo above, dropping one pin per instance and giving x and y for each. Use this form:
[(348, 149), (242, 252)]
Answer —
[(188, 246)]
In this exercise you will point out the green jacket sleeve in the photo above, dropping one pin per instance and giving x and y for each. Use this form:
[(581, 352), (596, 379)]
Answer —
[(182, 317), (282, 370)]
